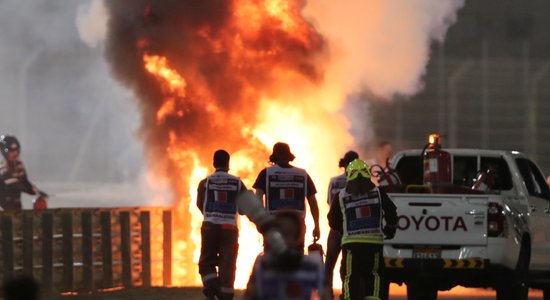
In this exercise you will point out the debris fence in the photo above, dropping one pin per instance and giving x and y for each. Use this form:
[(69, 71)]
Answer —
[(88, 249)]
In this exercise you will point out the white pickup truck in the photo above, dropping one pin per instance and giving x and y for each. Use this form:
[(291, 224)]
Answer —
[(496, 239)]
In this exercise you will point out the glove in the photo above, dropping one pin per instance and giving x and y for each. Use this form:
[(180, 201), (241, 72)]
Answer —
[(389, 232)]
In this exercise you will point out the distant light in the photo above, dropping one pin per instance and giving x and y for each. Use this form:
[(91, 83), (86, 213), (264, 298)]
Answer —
[(515, 152)]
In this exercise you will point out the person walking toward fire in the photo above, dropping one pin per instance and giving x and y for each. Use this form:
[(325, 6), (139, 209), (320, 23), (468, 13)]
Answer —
[(216, 199), (334, 239), (286, 187), (13, 177), (357, 213)]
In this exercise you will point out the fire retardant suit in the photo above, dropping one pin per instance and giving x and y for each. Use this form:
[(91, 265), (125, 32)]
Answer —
[(357, 212), (13, 178), (216, 199)]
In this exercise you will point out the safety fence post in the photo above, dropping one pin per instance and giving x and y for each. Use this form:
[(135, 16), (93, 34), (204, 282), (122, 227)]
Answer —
[(106, 249), (125, 248), (167, 247), (87, 250), (145, 220), (68, 256), (47, 251), (28, 243), (7, 246)]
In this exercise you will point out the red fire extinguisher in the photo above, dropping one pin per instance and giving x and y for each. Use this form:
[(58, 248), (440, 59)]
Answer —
[(437, 163), (387, 176), (41, 201), (484, 180), (316, 249)]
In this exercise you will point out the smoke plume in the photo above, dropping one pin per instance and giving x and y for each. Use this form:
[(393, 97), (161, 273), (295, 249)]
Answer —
[(382, 46)]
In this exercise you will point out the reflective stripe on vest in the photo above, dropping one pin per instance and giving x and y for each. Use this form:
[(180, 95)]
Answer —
[(336, 184), (286, 188), (220, 196), (362, 217)]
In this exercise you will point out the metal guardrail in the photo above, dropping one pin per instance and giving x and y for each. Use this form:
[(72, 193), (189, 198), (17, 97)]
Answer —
[(87, 249)]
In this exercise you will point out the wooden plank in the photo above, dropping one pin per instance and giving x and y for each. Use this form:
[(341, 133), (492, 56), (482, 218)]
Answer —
[(167, 247), (47, 251), (7, 246), (106, 249), (145, 219), (28, 244), (125, 248), (68, 258), (87, 251)]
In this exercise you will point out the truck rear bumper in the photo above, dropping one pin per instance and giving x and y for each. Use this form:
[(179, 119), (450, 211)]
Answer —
[(445, 273), (470, 266)]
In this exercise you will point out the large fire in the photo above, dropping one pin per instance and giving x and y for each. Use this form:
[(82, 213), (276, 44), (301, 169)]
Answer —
[(243, 74), (237, 75)]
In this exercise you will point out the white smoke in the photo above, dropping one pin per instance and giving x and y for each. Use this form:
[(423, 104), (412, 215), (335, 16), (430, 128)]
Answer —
[(382, 46), (77, 126), (91, 21), (379, 50)]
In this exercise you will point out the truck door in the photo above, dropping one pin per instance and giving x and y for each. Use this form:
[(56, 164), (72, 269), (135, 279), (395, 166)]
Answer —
[(539, 212)]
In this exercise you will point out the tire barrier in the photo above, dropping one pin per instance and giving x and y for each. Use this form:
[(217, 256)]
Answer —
[(74, 250)]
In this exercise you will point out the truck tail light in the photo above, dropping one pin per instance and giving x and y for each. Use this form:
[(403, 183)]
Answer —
[(496, 220)]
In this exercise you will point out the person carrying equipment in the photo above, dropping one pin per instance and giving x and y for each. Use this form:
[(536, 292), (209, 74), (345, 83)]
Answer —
[(13, 177)]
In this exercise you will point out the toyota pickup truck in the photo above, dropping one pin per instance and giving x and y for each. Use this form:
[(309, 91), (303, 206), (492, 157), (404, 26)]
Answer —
[(458, 235)]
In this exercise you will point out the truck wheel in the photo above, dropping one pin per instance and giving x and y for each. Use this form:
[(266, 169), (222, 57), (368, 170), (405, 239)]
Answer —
[(516, 286), (421, 291)]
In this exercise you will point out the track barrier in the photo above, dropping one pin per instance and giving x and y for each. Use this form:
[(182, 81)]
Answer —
[(74, 250)]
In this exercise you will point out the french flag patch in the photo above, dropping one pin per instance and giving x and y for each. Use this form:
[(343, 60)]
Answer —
[(287, 194), (294, 290), (220, 196), (362, 212)]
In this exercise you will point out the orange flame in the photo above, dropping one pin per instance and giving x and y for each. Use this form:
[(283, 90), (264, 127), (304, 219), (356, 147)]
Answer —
[(287, 104)]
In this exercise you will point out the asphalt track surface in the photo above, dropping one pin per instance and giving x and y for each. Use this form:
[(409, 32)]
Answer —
[(461, 293), (194, 293)]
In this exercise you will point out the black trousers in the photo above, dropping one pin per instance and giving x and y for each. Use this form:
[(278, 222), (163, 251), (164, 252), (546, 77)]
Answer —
[(10, 203), (218, 259), (334, 246), (362, 267)]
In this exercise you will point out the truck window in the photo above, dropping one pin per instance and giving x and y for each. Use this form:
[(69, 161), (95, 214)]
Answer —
[(533, 178), (410, 170), (503, 178), (464, 170)]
